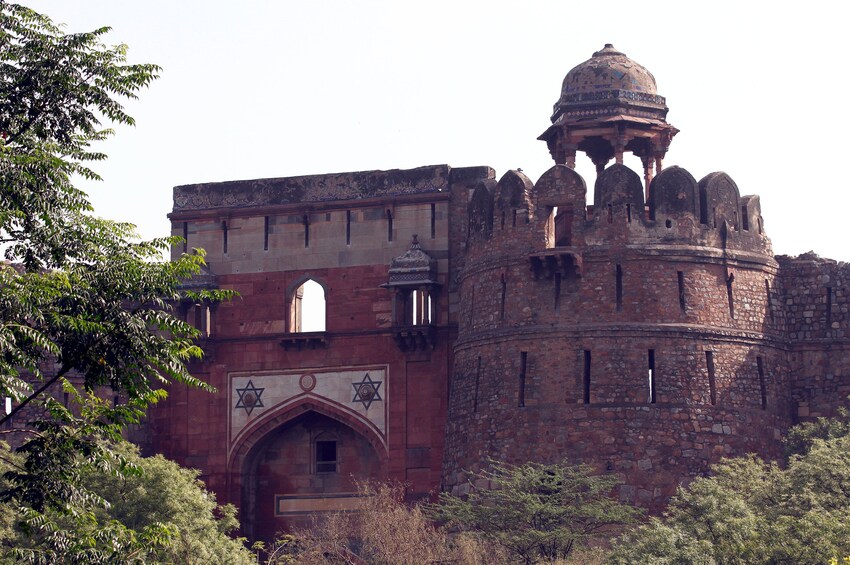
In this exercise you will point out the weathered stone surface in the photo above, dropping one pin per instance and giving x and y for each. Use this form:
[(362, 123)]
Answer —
[(647, 340)]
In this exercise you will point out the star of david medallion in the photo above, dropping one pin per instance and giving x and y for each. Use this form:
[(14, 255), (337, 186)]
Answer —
[(366, 391), (249, 397)]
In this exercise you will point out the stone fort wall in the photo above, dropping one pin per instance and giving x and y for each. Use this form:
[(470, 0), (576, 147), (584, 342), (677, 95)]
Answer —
[(649, 339), (647, 336)]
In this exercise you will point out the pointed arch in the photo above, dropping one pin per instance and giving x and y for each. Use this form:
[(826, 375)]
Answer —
[(618, 186), (480, 224), (306, 303), (261, 453), (719, 201), (513, 197), (673, 193)]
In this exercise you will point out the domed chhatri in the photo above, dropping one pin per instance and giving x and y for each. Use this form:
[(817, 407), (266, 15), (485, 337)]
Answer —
[(609, 105), (608, 69)]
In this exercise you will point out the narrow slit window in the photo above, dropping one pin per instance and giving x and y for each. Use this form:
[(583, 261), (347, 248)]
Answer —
[(433, 221), (502, 302), (629, 213), (730, 295), (619, 288), (714, 217), (651, 376), (762, 383), (586, 378), (712, 384), (557, 291), (610, 214), (348, 227), (682, 305), (326, 457), (523, 362), (306, 221), (769, 298), (477, 381), (185, 237), (266, 233), (745, 218), (828, 306), (513, 220), (389, 225), (224, 236), (503, 219)]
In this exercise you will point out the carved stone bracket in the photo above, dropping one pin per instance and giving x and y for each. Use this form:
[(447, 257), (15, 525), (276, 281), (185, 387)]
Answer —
[(563, 260), (307, 340), (412, 338)]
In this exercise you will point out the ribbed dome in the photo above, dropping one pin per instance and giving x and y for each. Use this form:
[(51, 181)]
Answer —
[(608, 69)]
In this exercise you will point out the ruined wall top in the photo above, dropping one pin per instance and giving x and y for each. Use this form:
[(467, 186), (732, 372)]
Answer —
[(318, 188)]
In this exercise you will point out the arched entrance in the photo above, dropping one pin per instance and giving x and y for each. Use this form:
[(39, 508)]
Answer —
[(307, 464)]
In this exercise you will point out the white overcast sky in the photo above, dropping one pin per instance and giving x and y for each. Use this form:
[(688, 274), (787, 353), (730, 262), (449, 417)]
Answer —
[(254, 89)]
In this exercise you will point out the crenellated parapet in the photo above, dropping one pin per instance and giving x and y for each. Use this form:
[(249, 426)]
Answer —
[(514, 213)]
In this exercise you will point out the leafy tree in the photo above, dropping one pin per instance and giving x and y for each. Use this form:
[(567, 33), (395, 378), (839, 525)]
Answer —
[(163, 494), (801, 438), (752, 512), (155, 512), (84, 306), (537, 511)]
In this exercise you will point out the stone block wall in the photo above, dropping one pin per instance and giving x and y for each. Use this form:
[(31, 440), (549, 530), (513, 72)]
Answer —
[(650, 348), (816, 302)]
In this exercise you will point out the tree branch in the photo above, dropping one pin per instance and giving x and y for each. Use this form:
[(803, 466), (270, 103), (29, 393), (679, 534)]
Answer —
[(59, 374)]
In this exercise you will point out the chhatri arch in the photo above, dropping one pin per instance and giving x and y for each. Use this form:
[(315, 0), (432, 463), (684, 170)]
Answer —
[(609, 105)]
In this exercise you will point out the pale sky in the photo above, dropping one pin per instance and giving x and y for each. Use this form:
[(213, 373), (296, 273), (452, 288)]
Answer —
[(255, 89)]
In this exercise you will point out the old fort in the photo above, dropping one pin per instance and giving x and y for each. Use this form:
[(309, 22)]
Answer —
[(411, 324)]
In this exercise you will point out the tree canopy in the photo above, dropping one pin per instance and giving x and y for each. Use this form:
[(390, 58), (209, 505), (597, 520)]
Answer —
[(537, 511), (85, 308), (754, 512)]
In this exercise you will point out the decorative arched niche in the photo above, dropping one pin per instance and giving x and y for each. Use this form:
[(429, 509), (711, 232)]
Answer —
[(673, 194), (618, 193), (480, 223), (513, 199), (719, 201)]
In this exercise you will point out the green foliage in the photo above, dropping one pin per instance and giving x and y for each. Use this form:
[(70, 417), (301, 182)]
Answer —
[(163, 494), (153, 512), (537, 511), (752, 512), (84, 306), (801, 438)]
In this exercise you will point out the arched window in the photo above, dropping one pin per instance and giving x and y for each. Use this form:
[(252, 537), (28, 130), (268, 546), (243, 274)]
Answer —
[(307, 308)]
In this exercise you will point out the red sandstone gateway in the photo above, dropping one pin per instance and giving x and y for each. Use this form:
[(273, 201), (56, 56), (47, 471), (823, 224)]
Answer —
[(411, 324)]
